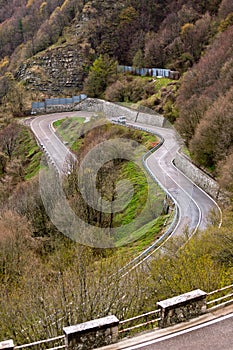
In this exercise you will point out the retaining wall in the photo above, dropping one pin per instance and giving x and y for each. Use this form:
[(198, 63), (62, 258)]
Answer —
[(114, 110), (183, 163), (200, 178)]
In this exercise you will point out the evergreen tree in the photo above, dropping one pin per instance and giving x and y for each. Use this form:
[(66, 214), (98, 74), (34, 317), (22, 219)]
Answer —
[(101, 73)]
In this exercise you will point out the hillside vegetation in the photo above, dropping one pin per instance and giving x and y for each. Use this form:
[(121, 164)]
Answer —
[(166, 32), (87, 280), (205, 107), (52, 48)]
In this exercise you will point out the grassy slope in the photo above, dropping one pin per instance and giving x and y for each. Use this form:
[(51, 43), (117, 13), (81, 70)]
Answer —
[(66, 128), (150, 227), (29, 152)]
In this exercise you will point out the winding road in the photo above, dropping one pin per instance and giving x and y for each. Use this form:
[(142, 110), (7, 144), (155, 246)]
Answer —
[(194, 205), (212, 335), (54, 148)]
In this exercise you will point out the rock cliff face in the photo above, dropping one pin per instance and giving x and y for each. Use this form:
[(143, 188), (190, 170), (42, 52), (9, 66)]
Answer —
[(57, 71)]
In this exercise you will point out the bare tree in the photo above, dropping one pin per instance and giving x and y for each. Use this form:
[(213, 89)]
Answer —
[(8, 139)]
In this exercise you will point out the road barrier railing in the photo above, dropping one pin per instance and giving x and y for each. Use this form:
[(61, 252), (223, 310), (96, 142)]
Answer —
[(56, 343), (147, 252), (169, 312), (141, 322), (63, 103), (219, 298)]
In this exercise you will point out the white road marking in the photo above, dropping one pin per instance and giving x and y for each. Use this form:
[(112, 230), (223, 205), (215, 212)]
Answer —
[(176, 334)]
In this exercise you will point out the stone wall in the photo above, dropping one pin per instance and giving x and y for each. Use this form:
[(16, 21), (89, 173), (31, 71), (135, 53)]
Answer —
[(55, 71), (109, 109), (151, 119), (54, 109), (92, 334), (183, 163), (59, 108), (182, 308), (113, 110), (104, 331), (200, 178), (7, 345)]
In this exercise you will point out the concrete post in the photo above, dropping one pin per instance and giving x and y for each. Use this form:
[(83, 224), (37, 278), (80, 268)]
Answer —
[(182, 308), (92, 334), (7, 345)]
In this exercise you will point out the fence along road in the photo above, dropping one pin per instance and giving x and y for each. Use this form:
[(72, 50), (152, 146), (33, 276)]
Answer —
[(215, 334)]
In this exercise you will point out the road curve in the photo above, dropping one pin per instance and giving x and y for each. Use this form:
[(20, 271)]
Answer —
[(54, 148), (193, 203)]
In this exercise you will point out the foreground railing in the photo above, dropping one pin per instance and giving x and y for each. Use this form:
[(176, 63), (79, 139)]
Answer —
[(219, 298), (57, 343), (107, 330), (139, 324)]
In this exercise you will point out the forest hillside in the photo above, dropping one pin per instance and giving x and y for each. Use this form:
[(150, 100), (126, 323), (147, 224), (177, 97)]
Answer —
[(60, 48), (48, 49)]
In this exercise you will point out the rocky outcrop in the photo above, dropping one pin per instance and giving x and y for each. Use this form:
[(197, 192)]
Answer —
[(55, 71)]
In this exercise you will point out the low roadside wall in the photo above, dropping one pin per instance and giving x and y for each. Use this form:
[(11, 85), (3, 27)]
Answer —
[(104, 331), (182, 308), (200, 178), (114, 110), (109, 109), (183, 163), (92, 334)]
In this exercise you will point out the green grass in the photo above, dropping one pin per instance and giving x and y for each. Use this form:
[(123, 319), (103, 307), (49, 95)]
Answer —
[(186, 151), (147, 196), (144, 236), (127, 104), (58, 122), (161, 82), (67, 130), (136, 177), (33, 167), (29, 152), (147, 199)]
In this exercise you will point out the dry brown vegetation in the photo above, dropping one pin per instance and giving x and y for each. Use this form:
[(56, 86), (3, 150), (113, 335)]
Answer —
[(205, 104), (47, 280)]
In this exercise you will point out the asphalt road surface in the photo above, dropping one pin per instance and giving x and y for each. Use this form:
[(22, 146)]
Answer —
[(212, 335), (52, 145), (194, 208), (194, 204)]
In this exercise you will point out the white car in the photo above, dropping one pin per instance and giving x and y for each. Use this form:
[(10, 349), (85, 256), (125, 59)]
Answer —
[(120, 120)]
